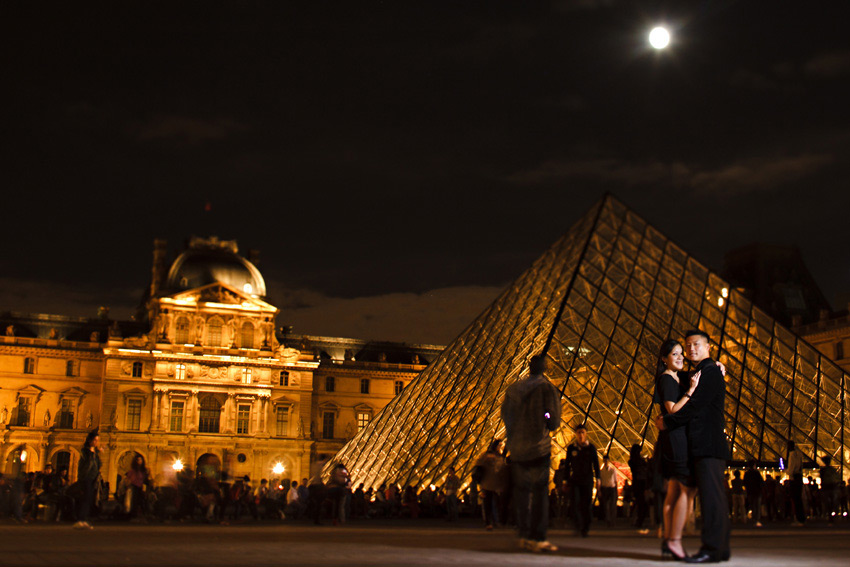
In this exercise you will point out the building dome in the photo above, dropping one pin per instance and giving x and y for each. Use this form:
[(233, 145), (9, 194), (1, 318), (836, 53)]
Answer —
[(209, 260)]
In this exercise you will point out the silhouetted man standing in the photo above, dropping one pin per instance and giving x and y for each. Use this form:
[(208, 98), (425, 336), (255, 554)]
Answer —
[(532, 408), (707, 447)]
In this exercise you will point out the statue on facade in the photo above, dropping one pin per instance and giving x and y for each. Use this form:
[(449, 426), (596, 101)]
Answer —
[(54, 334), (94, 337), (4, 415), (46, 421), (10, 330), (89, 420), (199, 329)]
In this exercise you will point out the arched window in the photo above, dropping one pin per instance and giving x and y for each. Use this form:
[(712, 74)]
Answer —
[(214, 333), (247, 335), (181, 334), (210, 415)]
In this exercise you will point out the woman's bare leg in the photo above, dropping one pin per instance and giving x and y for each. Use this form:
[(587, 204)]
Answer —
[(673, 490), (679, 517)]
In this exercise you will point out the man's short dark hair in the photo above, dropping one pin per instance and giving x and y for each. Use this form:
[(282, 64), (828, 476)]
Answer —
[(537, 364), (580, 427), (698, 333)]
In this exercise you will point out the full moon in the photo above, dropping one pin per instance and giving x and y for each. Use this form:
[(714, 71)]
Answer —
[(659, 38)]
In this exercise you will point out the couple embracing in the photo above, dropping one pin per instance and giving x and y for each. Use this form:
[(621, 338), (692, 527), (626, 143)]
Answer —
[(693, 446)]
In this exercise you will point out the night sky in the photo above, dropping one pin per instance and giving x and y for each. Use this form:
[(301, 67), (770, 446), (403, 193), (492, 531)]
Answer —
[(397, 166)]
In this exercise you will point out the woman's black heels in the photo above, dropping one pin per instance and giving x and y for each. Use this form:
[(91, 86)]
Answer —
[(667, 553)]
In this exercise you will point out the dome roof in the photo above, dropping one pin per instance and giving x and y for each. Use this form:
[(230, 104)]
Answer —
[(210, 261)]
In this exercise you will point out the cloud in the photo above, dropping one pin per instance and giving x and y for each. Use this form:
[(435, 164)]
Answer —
[(186, 129), (433, 317), (752, 80), (829, 65), (739, 177), (35, 296), (606, 170), (759, 174)]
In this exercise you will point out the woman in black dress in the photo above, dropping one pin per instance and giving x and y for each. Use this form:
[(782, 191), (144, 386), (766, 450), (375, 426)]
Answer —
[(673, 389)]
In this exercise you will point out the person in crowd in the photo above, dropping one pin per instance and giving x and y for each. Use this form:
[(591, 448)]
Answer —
[(704, 416), (491, 470), (739, 499), (294, 506), (450, 488), (317, 491), (530, 410), (88, 475), (608, 491), (583, 475), (830, 485), (770, 497), (640, 484), (795, 474), (754, 487), (137, 480), (339, 488)]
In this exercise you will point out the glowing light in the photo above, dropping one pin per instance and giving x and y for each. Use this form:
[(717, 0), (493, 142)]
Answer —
[(248, 288), (23, 456), (278, 468), (724, 292), (433, 488), (178, 465), (720, 302), (659, 38)]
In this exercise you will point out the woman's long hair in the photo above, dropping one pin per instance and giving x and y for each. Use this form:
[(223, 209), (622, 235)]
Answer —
[(90, 439), (665, 351), (140, 467)]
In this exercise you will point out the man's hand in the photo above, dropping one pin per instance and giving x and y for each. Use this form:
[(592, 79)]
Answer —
[(659, 423)]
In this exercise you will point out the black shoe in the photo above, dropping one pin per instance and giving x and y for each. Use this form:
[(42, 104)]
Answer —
[(665, 550), (703, 557)]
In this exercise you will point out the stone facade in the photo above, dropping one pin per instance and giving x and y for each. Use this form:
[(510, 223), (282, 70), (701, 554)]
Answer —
[(205, 377)]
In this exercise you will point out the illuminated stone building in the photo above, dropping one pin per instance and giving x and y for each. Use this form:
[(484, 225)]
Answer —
[(599, 303), (202, 377), (831, 336)]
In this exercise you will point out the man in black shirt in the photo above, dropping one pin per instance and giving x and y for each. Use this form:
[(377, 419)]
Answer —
[(583, 466)]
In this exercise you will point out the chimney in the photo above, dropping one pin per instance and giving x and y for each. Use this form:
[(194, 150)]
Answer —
[(158, 272)]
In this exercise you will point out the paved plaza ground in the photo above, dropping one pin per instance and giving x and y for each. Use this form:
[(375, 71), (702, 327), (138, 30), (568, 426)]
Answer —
[(401, 543)]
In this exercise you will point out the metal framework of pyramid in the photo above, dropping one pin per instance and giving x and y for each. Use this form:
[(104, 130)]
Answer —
[(599, 303)]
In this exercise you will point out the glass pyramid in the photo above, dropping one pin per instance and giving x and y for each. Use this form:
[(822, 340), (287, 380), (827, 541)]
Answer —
[(600, 302)]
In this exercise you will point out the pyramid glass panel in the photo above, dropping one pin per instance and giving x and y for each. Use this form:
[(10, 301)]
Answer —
[(599, 303)]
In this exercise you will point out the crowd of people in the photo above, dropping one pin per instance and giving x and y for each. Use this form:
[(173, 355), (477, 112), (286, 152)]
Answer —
[(510, 485)]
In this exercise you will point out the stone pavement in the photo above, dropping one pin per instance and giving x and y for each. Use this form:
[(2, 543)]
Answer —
[(399, 543)]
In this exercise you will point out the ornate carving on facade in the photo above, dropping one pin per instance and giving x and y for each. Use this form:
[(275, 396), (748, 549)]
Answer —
[(212, 372)]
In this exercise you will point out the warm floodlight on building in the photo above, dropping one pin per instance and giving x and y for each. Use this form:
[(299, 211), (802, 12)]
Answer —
[(659, 38), (23, 456), (724, 292), (720, 302), (177, 466), (278, 468)]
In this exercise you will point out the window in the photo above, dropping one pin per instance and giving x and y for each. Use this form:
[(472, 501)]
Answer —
[(363, 419), (70, 368), (329, 384), (399, 386), (134, 415), (22, 412), (246, 375), (839, 350), (137, 369), (29, 365), (181, 335), (210, 415), (284, 378), (247, 335), (214, 333), (282, 422), (62, 460), (243, 419), (180, 371), (66, 415), (364, 385), (176, 421), (328, 425)]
